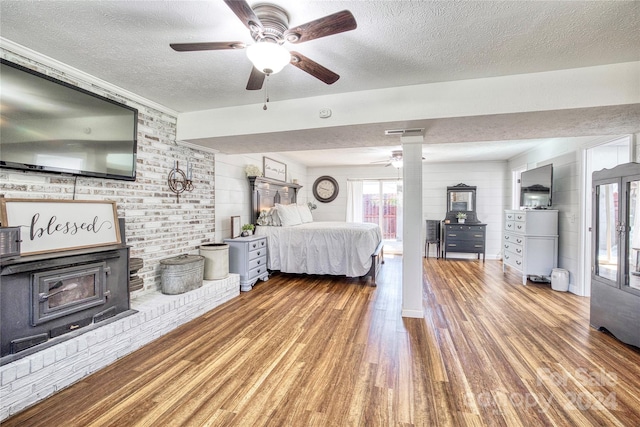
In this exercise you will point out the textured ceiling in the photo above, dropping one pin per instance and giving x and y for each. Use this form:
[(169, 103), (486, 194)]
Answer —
[(397, 43)]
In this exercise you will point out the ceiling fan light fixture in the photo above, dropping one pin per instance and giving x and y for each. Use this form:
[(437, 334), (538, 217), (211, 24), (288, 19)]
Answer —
[(268, 57), (396, 163)]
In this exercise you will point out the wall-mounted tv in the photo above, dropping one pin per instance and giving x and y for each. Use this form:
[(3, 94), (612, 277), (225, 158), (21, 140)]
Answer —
[(51, 126), (536, 187)]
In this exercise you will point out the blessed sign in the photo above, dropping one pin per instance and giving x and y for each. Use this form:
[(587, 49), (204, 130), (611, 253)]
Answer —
[(55, 225)]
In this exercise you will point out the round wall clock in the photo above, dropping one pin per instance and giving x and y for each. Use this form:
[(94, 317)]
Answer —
[(325, 189)]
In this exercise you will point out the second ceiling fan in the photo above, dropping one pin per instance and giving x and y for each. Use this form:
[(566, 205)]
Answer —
[(269, 27), (394, 160)]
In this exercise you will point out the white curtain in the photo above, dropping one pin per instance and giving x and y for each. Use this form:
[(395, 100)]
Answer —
[(354, 201)]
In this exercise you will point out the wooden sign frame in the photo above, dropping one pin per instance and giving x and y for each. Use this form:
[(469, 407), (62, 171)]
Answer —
[(59, 225), (274, 169)]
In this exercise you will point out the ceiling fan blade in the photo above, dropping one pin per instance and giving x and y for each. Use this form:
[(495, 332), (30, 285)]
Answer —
[(248, 17), (338, 22), (313, 68), (256, 79), (190, 47)]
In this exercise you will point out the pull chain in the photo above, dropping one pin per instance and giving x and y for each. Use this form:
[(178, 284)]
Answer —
[(266, 92)]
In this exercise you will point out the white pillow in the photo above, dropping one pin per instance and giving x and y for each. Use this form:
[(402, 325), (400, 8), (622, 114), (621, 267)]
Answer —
[(274, 218), (289, 214), (305, 213)]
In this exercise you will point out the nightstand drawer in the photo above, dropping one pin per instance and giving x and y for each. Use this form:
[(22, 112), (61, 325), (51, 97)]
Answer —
[(262, 243), (257, 253), (257, 262), (257, 272)]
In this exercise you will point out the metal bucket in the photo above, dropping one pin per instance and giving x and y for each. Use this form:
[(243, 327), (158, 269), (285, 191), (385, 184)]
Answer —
[(181, 274)]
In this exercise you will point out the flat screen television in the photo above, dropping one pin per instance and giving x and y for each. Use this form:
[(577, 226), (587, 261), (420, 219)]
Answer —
[(48, 125), (536, 187)]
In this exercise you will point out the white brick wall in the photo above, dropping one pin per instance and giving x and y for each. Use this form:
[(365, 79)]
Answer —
[(37, 376), (157, 225)]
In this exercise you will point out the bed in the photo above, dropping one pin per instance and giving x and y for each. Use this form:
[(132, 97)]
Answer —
[(298, 244), (335, 248)]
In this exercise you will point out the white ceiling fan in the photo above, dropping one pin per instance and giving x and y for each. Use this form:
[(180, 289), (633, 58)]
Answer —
[(394, 160)]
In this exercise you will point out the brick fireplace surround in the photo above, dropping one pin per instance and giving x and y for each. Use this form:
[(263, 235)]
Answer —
[(33, 378)]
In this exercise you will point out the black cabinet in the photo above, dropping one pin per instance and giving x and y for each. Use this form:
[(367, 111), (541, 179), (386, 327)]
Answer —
[(433, 237), (461, 229), (464, 238)]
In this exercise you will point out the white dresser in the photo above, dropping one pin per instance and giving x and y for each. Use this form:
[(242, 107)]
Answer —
[(248, 258), (530, 242)]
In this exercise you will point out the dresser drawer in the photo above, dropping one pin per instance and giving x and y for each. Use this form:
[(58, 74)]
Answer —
[(513, 238), (465, 228), (513, 248), (513, 260), (465, 246), (458, 236)]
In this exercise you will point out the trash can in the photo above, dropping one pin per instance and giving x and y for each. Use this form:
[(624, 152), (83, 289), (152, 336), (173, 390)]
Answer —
[(216, 260), (560, 280)]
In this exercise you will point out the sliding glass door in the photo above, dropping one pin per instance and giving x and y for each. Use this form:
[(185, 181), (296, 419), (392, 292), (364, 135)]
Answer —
[(382, 205)]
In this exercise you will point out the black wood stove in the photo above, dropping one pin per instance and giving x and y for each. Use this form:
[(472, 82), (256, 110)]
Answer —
[(45, 297)]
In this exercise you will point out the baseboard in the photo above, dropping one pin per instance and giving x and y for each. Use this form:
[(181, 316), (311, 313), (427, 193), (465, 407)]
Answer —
[(418, 314)]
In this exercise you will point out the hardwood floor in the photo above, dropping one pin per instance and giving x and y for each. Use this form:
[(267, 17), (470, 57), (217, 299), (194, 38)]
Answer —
[(318, 351)]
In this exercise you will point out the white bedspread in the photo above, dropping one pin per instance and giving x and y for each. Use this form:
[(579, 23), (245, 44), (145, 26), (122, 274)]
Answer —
[(337, 248)]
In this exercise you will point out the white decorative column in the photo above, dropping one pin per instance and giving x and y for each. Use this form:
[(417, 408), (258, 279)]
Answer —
[(412, 220)]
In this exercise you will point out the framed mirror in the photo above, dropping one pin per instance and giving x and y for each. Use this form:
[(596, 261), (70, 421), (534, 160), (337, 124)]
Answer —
[(461, 198), (461, 201)]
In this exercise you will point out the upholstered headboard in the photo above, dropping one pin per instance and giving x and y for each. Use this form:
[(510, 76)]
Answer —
[(266, 192)]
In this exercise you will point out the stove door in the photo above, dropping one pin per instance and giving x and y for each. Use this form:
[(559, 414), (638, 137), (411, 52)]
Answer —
[(57, 293)]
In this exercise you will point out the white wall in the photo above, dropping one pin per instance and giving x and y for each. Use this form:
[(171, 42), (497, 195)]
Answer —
[(566, 156), (491, 178), (232, 187), (337, 209)]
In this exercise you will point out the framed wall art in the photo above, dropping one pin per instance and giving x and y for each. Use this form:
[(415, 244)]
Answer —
[(235, 227), (56, 225), (274, 169)]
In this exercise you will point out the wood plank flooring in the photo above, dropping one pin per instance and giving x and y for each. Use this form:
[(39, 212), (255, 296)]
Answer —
[(322, 351)]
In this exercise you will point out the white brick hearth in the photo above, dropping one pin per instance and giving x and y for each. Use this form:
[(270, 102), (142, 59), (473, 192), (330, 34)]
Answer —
[(33, 378)]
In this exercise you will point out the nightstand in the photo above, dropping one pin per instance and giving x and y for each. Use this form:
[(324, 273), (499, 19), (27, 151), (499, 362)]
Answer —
[(248, 258)]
